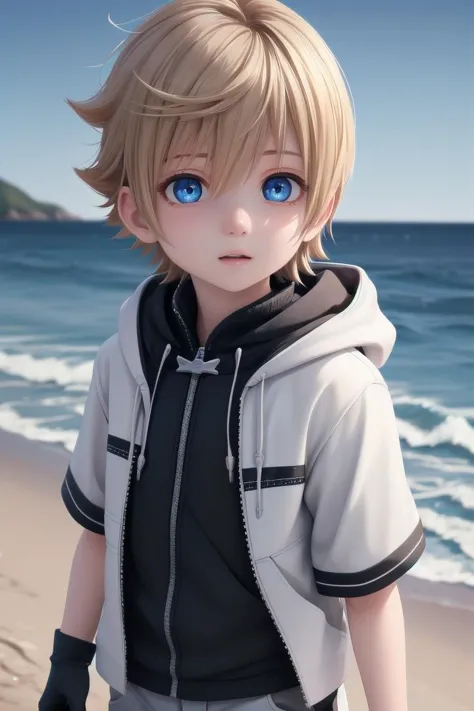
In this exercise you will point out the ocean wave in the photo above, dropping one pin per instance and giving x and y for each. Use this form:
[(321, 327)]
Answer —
[(454, 430), (449, 305), (17, 339), (13, 384), (37, 345), (456, 279), (459, 328), (70, 403), (34, 429), (460, 493), (38, 262), (438, 569), (447, 465), (46, 370), (72, 349), (76, 388), (75, 271), (60, 401), (401, 398), (450, 529)]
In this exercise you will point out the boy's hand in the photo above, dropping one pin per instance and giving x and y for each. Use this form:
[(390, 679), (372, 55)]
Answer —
[(68, 683)]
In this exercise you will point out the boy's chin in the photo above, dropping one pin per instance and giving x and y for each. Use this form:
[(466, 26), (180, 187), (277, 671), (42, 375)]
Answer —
[(236, 284)]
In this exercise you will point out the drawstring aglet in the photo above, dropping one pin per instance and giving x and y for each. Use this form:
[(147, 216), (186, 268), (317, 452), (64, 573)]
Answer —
[(230, 462), (140, 465), (259, 459)]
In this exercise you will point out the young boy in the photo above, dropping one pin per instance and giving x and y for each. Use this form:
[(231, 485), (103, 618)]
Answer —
[(238, 472)]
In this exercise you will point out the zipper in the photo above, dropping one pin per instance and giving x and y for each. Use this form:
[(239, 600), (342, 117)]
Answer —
[(122, 542), (174, 518), (183, 324), (254, 570)]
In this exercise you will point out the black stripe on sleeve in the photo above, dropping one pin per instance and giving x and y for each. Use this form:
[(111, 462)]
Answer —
[(377, 577), (273, 476), (120, 447), (87, 514)]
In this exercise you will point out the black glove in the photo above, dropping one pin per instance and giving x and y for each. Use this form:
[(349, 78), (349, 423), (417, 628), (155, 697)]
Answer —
[(68, 682)]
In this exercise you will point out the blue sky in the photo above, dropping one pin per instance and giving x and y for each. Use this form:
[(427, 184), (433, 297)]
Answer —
[(410, 66)]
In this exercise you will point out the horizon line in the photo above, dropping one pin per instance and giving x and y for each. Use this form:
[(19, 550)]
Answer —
[(86, 220)]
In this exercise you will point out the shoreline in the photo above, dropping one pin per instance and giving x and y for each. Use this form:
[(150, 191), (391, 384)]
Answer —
[(37, 540)]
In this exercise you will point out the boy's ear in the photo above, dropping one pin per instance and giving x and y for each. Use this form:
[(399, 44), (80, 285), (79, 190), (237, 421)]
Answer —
[(317, 227), (131, 218)]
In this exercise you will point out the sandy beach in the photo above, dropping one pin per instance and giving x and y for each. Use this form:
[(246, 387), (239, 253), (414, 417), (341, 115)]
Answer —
[(37, 540)]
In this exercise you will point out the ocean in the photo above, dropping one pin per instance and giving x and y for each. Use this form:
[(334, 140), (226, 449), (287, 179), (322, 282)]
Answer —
[(62, 284)]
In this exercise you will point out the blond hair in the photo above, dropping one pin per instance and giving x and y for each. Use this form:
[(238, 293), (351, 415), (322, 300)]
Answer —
[(220, 75)]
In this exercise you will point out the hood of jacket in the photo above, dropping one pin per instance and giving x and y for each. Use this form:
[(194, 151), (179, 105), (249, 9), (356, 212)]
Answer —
[(336, 309)]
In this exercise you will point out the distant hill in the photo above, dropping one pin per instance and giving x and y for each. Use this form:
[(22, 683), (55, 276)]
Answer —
[(18, 205)]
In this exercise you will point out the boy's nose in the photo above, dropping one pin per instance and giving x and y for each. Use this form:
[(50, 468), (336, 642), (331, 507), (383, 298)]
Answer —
[(236, 223)]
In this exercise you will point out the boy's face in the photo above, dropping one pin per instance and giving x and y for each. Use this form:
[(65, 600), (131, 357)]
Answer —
[(260, 219)]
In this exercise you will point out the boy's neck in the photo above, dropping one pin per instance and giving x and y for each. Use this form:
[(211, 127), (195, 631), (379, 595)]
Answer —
[(215, 304)]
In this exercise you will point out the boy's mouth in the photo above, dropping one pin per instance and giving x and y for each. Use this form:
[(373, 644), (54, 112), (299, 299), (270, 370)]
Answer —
[(233, 256)]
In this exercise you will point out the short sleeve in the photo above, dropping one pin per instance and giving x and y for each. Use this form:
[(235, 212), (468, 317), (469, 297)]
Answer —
[(83, 489), (367, 531)]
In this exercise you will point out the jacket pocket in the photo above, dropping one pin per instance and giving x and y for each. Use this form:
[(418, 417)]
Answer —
[(317, 648), (295, 566), (109, 634), (116, 484)]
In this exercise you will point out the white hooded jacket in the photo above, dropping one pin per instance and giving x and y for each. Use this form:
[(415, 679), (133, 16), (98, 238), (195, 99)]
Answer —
[(326, 505)]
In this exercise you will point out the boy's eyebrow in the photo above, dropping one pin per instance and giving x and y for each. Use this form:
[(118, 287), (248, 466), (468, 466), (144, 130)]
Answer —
[(266, 153), (285, 153)]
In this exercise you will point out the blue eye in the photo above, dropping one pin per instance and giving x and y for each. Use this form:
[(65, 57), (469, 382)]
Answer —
[(185, 190), (281, 188)]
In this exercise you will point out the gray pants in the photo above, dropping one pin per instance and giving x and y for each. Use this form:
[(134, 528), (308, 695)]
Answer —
[(138, 699)]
